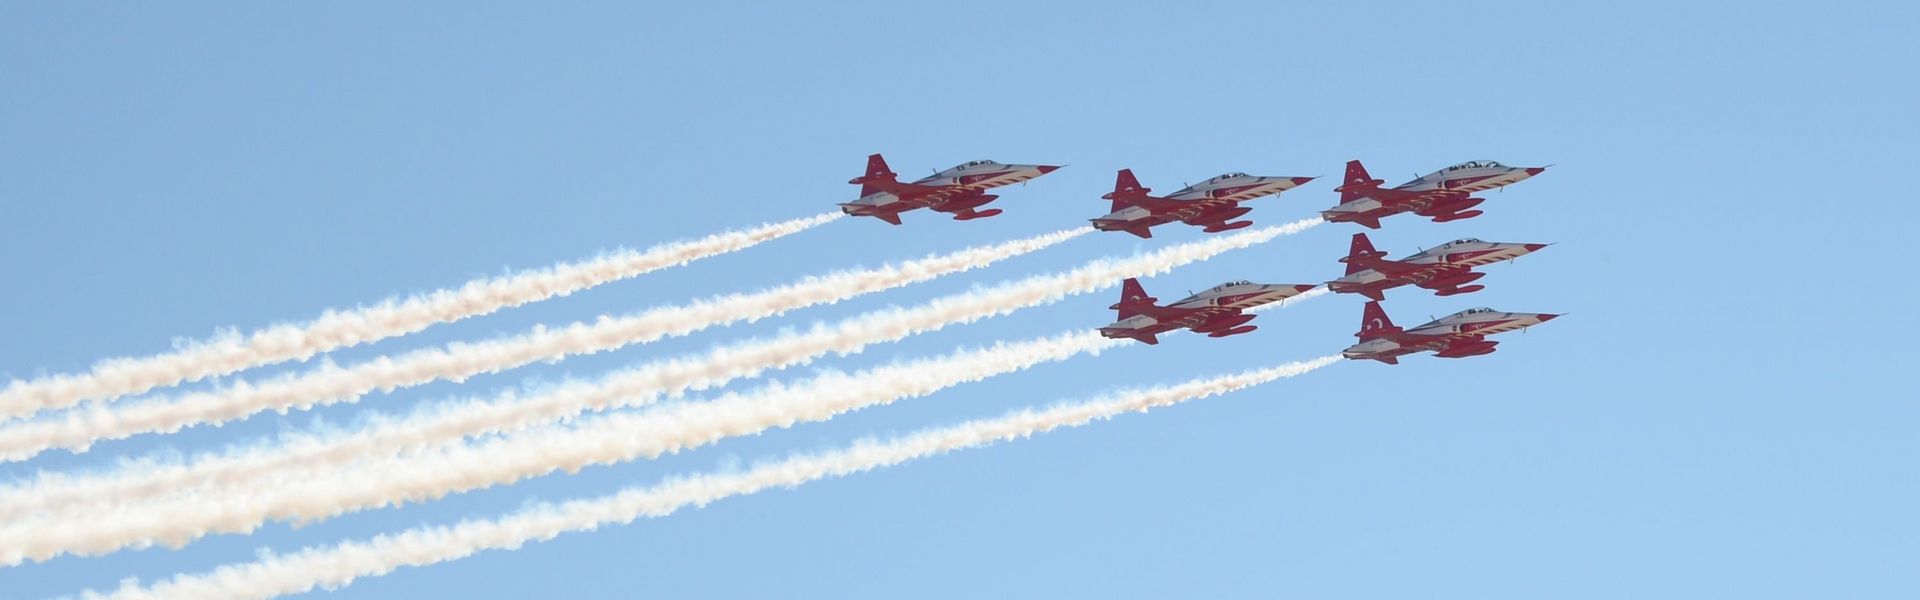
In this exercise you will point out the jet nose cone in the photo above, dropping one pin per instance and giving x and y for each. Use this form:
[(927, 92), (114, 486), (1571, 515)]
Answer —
[(1533, 247), (1532, 171), (1303, 288), (1301, 180), (1045, 169), (1546, 317)]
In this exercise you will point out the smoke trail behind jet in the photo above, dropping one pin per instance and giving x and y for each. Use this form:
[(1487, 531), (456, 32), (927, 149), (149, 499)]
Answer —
[(338, 565), (330, 384), (228, 353), (449, 422), (312, 491)]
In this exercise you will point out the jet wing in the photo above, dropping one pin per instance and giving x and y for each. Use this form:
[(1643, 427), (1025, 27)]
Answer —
[(1466, 346), (1437, 342), (1213, 212), (1415, 200), (1390, 268), (1154, 205), (908, 190), (1221, 320), (1444, 273), (1167, 314)]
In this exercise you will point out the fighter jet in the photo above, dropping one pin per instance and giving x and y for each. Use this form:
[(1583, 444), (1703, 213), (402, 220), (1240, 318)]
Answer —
[(1445, 269), (1458, 335), (957, 191), (1443, 195), (1208, 204), (1215, 312)]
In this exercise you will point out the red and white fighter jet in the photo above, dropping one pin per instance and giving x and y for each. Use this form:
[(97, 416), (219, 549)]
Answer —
[(957, 191), (1443, 195), (1215, 312), (1208, 204), (1458, 335), (1446, 269)]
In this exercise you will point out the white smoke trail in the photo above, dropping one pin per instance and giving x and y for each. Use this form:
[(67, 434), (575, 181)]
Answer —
[(232, 352), (328, 384), (631, 387), (312, 492), (334, 566)]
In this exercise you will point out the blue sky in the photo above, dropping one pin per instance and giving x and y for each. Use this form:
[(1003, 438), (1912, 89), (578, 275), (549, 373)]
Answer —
[(1724, 414)]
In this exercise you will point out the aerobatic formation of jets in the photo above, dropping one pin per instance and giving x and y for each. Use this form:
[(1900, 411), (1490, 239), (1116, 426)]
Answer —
[(1215, 204)]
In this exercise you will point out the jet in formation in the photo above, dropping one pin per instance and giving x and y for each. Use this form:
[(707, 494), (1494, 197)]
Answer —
[(1217, 312), (1209, 204), (1446, 269), (1458, 335), (957, 191), (1444, 195)]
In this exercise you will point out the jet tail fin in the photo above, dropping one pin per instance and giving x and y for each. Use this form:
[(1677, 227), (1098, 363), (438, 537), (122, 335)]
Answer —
[(1361, 254), (1374, 323), (876, 171), (1133, 299), (1125, 187), (1358, 182)]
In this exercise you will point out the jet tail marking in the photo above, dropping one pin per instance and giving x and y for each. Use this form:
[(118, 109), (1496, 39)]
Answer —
[(1358, 183), (1374, 323), (1134, 300), (1126, 190), (877, 172), (1360, 253)]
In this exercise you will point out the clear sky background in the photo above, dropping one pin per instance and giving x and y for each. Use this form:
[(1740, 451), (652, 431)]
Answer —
[(1727, 412)]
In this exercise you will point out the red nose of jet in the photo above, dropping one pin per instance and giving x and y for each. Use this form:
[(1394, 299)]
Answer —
[(1545, 317), (1532, 171), (1301, 180), (1303, 288), (1533, 247), (1045, 169)]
